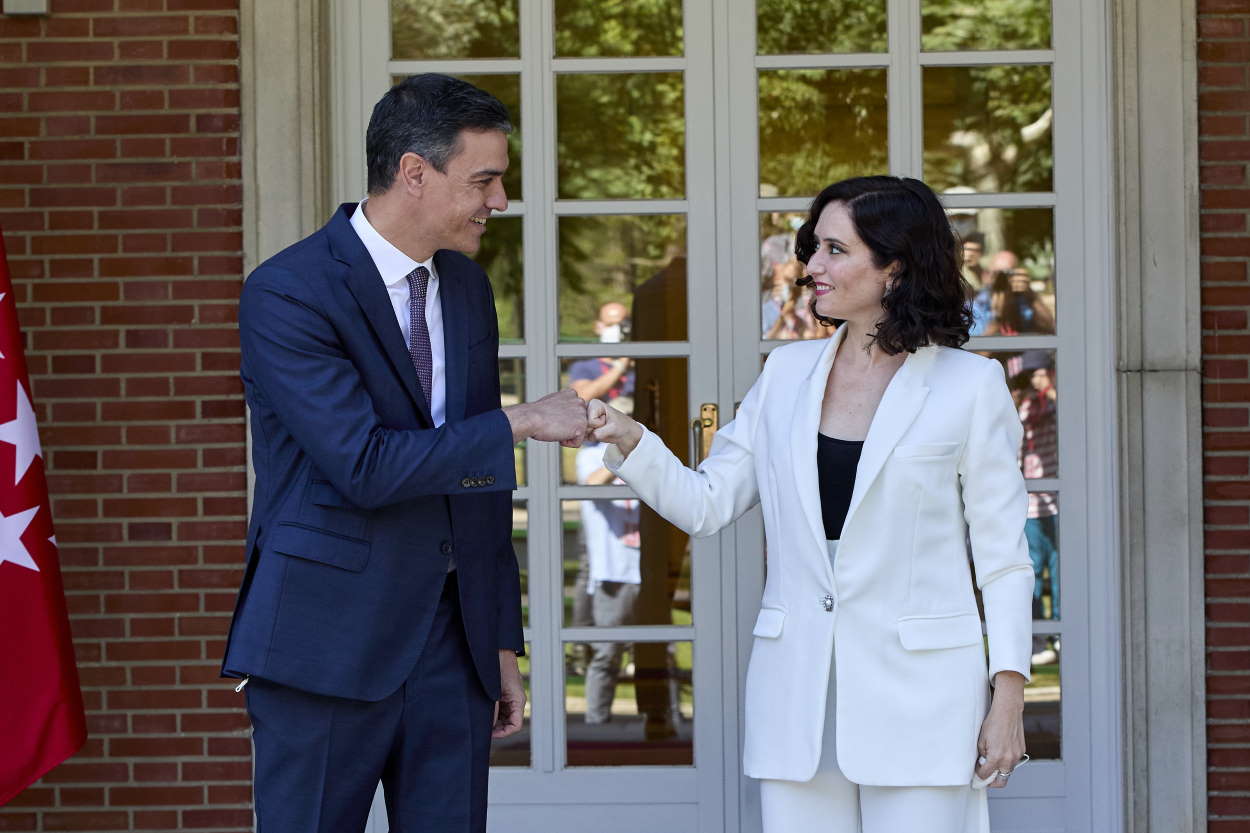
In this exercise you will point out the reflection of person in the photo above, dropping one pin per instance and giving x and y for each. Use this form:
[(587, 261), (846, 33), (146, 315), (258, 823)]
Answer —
[(1015, 307), (872, 455), (972, 249), (610, 530), (379, 621), (1039, 457)]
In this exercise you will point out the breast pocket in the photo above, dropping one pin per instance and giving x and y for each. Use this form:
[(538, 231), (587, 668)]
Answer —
[(926, 451)]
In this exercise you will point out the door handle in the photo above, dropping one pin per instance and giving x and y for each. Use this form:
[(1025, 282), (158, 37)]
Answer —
[(702, 429)]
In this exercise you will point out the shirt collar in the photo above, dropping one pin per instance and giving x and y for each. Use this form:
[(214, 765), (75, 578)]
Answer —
[(393, 265)]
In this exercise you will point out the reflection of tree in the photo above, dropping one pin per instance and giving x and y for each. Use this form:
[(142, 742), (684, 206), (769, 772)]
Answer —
[(951, 25), (596, 28), (454, 29), (501, 257), (818, 126), (605, 258), (621, 136), (790, 27)]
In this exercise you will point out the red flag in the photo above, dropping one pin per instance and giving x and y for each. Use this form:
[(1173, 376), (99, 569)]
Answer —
[(41, 712)]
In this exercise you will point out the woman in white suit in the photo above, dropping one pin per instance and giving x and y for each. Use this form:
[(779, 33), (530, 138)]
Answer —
[(876, 455)]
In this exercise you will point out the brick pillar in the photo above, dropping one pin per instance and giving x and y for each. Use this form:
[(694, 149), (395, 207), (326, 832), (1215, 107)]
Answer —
[(120, 204), (1224, 152)]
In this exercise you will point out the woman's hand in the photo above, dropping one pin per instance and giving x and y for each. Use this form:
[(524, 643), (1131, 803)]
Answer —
[(1001, 744), (608, 425)]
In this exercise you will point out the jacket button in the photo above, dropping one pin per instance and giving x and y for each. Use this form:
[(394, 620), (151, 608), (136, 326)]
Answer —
[(490, 480), (466, 483), (446, 547)]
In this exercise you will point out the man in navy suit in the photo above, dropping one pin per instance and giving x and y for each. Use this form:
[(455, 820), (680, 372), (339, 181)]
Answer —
[(378, 623)]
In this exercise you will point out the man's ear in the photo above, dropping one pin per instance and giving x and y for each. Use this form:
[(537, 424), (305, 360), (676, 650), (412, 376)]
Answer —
[(413, 172)]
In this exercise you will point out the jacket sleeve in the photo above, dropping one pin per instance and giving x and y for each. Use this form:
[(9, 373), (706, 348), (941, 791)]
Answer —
[(705, 500), (995, 506), (295, 365)]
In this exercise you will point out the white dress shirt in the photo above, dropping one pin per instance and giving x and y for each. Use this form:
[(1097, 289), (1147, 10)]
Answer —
[(394, 266)]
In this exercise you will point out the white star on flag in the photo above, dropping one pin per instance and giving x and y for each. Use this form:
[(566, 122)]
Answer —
[(12, 527), (21, 432)]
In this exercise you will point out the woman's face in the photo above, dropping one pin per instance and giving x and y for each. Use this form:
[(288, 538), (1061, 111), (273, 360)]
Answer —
[(847, 283)]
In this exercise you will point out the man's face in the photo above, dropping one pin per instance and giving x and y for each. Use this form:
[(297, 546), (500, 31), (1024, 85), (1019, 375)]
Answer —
[(972, 254), (456, 204)]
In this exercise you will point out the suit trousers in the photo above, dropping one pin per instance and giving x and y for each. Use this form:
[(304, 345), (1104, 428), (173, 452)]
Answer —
[(318, 759), (829, 803)]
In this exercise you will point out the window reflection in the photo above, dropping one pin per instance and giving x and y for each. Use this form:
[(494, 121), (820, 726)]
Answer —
[(988, 129), (1041, 530), (423, 29), (1043, 713), (1033, 382), (952, 25), (620, 136), (501, 257), (632, 706), (512, 392), (592, 28), (797, 27), (817, 126), (785, 307), (520, 545), (1008, 265), (634, 262)]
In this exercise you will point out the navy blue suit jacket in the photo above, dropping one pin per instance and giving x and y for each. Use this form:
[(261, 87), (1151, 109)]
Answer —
[(359, 499)]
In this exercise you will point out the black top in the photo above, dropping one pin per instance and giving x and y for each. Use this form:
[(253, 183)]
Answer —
[(835, 469)]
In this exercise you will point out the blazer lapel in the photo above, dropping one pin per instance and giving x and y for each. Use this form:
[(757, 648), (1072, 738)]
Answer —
[(900, 404), (803, 431), (455, 330), (370, 292)]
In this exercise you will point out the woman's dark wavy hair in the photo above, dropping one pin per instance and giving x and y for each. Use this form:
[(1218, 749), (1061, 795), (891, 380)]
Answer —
[(901, 221)]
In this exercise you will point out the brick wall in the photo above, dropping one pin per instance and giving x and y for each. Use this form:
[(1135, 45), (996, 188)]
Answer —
[(120, 203), (1224, 151)]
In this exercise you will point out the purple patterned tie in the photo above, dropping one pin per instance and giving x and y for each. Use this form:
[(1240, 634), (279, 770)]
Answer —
[(419, 341)]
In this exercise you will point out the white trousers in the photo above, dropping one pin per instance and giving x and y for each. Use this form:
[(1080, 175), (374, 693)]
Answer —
[(829, 803)]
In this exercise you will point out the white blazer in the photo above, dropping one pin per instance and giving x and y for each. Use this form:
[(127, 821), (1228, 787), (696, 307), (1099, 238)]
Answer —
[(938, 468)]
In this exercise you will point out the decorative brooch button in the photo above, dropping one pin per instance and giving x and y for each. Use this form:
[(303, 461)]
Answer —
[(827, 601)]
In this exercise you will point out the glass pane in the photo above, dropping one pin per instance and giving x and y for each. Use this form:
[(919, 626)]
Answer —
[(953, 25), (512, 392), (785, 308), (988, 129), (1042, 701), (798, 27), (1033, 382), (506, 88), (629, 704), (501, 255), (621, 136), (818, 126), (1008, 268), (623, 564), (1042, 531), (520, 543), (651, 390), (423, 29), (593, 28), (622, 278), (515, 751)]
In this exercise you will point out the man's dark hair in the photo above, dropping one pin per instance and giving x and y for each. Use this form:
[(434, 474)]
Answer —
[(424, 114), (901, 221)]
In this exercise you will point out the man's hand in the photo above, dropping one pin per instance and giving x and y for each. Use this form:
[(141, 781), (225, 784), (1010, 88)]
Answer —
[(608, 425), (510, 707), (557, 417)]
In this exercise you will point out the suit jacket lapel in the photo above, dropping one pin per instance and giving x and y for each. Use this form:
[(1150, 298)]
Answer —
[(370, 292), (900, 404), (455, 329), (806, 424)]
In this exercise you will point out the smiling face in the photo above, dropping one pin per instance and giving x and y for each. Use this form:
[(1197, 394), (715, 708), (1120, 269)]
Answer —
[(848, 283), (454, 205)]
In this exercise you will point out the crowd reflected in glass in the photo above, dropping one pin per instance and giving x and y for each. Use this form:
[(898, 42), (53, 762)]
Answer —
[(785, 307), (954, 25), (817, 126), (1034, 385), (1007, 258), (593, 28), (1043, 702), (989, 129), (800, 27)]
